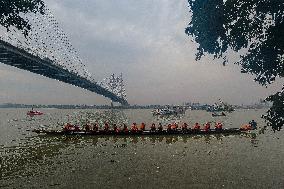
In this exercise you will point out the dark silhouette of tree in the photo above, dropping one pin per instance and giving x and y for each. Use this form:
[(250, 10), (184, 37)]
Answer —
[(256, 25), (10, 11), (275, 116)]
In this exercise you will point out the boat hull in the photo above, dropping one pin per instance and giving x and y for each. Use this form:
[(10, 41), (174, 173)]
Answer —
[(34, 113), (141, 133)]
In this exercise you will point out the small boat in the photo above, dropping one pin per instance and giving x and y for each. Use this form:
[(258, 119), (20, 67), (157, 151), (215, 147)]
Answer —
[(140, 133), (32, 113), (220, 106), (215, 114), (174, 110)]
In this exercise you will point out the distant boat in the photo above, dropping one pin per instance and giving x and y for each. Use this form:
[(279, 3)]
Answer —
[(216, 114), (220, 106), (174, 110), (32, 113)]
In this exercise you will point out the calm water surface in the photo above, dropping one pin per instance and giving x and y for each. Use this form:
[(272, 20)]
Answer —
[(28, 160)]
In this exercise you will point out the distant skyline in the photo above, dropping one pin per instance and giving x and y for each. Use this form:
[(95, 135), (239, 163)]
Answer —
[(145, 41)]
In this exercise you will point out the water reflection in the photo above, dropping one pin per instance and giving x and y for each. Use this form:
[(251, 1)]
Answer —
[(32, 151), (254, 142), (37, 150), (168, 139)]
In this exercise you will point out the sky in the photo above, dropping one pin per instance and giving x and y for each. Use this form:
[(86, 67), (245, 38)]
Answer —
[(144, 40)]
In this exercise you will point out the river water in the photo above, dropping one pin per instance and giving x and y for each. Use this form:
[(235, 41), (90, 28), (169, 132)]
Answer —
[(29, 160)]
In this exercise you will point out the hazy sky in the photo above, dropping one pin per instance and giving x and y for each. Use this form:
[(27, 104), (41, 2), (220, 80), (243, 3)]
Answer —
[(144, 40)]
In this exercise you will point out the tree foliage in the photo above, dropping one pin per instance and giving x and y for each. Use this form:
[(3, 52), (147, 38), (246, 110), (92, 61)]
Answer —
[(275, 116), (255, 25), (10, 11)]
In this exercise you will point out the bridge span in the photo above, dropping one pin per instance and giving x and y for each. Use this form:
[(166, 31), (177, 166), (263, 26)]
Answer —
[(17, 57)]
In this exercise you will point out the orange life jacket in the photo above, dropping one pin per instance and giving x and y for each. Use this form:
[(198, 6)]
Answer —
[(246, 127), (196, 127), (134, 128), (66, 126), (207, 127), (219, 126), (174, 126), (142, 127)]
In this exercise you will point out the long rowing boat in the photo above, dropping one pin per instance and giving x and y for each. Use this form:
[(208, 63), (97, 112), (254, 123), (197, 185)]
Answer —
[(138, 133)]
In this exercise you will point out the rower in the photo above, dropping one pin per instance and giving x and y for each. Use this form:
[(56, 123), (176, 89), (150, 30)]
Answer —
[(65, 127), (115, 128), (160, 127), (196, 127), (218, 126), (125, 129), (174, 126), (87, 126), (153, 127), (134, 128), (68, 127), (106, 127), (253, 124), (142, 127), (76, 128), (184, 127), (207, 127), (169, 128), (96, 127)]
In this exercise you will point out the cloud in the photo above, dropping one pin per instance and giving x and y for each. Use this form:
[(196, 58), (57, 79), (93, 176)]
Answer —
[(144, 40)]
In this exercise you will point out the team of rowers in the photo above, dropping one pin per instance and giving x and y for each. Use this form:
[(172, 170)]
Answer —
[(135, 128)]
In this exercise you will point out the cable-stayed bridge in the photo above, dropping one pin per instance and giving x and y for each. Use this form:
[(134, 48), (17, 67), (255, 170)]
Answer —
[(46, 50)]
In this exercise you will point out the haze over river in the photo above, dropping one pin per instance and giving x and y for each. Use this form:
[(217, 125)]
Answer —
[(29, 160)]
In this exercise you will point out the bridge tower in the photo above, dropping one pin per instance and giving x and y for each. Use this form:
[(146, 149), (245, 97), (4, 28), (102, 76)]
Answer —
[(115, 84)]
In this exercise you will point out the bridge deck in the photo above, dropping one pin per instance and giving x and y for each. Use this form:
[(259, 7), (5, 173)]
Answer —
[(19, 58)]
